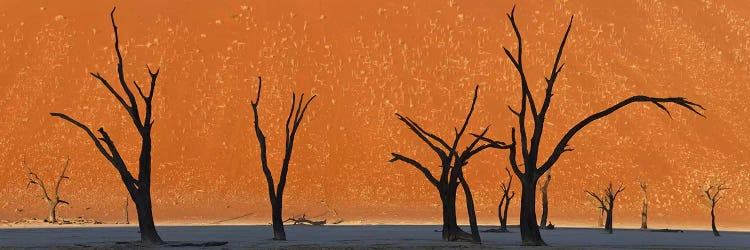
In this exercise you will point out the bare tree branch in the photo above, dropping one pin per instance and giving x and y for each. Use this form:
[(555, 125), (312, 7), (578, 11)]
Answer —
[(471, 151), (416, 164), (112, 90), (512, 154), (468, 117), (35, 179), (262, 143), (540, 119), (422, 135), (553, 75), (599, 199), (560, 148), (299, 114), (60, 178), (121, 75), (88, 132), (518, 63), (148, 122)]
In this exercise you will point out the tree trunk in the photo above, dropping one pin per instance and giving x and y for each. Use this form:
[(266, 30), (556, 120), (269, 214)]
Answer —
[(145, 217), (608, 224), (449, 216), (52, 212), (127, 213), (545, 206), (470, 207), (500, 214), (504, 221), (644, 212), (451, 230), (530, 235), (713, 222), (277, 221), (446, 216), (644, 215)]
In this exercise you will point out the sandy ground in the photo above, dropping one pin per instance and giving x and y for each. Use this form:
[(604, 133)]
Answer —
[(365, 237)]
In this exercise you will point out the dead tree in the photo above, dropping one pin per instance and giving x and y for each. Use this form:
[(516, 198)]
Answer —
[(127, 215), (276, 194), (713, 195), (337, 218), (534, 165), (507, 196), (303, 220), (644, 213), (140, 188), (451, 171), (607, 203), (545, 203), (52, 199)]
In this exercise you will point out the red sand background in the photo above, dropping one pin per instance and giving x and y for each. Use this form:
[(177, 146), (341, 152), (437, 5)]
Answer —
[(366, 60)]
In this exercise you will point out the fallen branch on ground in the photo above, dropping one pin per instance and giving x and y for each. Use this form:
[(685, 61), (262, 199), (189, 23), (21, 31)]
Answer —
[(301, 220)]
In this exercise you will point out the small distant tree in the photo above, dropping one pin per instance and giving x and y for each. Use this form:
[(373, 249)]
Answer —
[(644, 212), (545, 203), (451, 171), (336, 217), (507, 196), (276, 194), (607, 203), (127, 213), (713, 194), (53, 197)]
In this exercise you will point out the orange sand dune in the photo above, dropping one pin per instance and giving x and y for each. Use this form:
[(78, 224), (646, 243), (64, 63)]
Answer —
[(366, 60)]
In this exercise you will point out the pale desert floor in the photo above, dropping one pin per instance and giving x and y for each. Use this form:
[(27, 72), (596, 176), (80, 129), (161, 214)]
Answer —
[(99, 236)]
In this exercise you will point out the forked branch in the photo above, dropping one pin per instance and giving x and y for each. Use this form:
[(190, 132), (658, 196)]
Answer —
[(294, 119), (88, 132), (562, 144), (712, 192), (597, 198)]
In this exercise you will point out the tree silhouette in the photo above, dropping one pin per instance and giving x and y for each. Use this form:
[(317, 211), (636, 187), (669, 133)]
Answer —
[(276, 194), (53, 198), (713, 194), (139, 189), (507, 196), (451, 171), (644, 213), (545, 203), (534, 166), (127, 216), (607, 203)]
